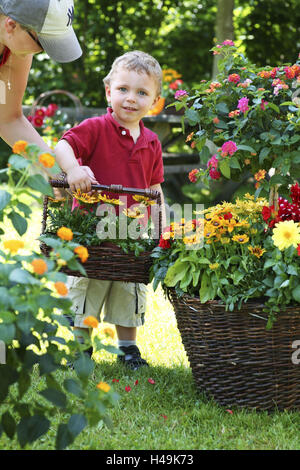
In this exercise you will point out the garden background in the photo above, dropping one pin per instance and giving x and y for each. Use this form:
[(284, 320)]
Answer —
[(166, 412)]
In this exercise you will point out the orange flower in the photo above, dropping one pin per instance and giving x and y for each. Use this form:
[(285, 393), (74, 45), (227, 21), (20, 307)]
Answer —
[(260, 175), (13, 245), (47, 160), (65, 233), (82, 252), (103, 386), (39, 266), (19, 146), (109, 332), (61, 288), (91, 321)]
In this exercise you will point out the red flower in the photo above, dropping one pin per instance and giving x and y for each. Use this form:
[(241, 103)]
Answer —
[(151, 381), (295, 194), (37, 121), (298, 250), (40, 112), (115, 380), (51, 110), (175, 85), (164, 416), (164, 243), (227, 216), (128, 388)]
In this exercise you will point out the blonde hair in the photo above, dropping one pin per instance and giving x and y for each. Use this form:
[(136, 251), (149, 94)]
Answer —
[(140, 62)]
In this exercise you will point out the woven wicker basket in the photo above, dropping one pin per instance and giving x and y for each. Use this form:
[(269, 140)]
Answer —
[(235, 359), (107, 261)]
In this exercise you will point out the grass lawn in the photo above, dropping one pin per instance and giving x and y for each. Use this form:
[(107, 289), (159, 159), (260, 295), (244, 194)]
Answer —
[(169, 414)]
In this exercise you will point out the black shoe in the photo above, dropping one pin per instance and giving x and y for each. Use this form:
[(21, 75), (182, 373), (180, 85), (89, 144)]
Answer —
[(132, 357)]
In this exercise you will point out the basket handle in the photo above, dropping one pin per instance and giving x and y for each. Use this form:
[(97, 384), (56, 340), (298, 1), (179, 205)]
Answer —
[(43, 96), (114, 188)]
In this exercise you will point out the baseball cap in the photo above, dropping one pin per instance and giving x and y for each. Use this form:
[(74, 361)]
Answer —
[(51, 20)]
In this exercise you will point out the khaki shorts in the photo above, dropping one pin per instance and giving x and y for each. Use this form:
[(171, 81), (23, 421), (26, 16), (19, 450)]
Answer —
[(123, 303)]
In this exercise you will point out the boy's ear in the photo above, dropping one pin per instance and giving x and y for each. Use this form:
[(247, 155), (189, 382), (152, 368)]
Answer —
[(107, 93), (155, 101)]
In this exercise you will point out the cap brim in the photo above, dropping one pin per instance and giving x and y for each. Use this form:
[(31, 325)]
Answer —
[(64, 48)]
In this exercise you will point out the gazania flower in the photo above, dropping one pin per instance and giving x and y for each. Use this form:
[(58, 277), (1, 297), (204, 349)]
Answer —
[(19, 146), (133, 213), (286, 234), (47, 160), (39, 266), (91, 321), (65, 233), (82, 252), (61, 288), (147, 201), (105, 198), (256, 251), (240, 239), (13, 245), (103, 386), (85, 197)]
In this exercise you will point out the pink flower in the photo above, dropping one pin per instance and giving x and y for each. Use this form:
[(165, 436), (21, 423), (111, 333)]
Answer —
[(230, 412), (243, 104), (213, 162), (234, 77), (51, 109), (228, 147), (180, 94), (263, 104), (214, 174), (228, 42)]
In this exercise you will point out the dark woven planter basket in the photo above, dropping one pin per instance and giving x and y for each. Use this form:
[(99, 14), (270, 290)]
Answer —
[(234, 359), (108, 261)]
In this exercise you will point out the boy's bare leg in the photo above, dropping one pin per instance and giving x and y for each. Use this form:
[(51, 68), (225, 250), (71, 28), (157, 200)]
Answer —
[(126, 333)]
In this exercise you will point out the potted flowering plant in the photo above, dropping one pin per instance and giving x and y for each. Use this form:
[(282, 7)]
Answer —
[(233, 270)]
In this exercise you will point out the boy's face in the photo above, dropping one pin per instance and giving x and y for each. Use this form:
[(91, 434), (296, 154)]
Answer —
[(131, 96)]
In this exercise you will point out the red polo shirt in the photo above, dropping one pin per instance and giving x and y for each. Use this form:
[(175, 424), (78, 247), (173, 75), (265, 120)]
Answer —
[(109, 150)]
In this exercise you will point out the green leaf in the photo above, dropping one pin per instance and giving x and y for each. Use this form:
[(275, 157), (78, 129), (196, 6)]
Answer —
[(192, 116), (296, 294), (31, 428), (176, 272), (63, 437), (247, 148), (5, 198), (38, 183), (84, 366), (56, 397), (274, 107), (19, 222), (225, 168), (18, 162), (72, 386), (21, 276), (264, 153), (76, 424), (53, 242), (7, 332), (206, 291), (8, 424), (47, 364)]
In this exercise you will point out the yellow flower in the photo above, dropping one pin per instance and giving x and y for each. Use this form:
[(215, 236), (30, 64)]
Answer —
[(82, 252), (286, 234), (19, 146), (103, 386), (47, 160), (65, 233), (147, 201), (214, 266), (256, 251), (13, 245), (105, 198), (39, 266), (91, 321), (240, 238), (133, 214), (85, 197)]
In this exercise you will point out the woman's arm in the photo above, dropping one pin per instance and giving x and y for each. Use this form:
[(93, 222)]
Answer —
[(13, 124)]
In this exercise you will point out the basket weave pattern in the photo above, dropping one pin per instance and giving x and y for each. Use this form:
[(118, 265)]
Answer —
[(107, 261), (235, 359)]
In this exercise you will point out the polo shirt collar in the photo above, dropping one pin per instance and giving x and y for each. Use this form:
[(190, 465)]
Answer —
[(144, 137)]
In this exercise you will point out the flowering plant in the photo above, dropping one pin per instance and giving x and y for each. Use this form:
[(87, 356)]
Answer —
[(249, 248), (172, 83), (34, 309), (50, 122), (96, 218), (251, 115)]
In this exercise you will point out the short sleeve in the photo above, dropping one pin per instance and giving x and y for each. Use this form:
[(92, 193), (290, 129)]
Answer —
[(158, 167), (83, 138)]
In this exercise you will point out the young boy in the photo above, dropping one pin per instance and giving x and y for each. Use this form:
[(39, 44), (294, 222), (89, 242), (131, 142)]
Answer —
[(116, 149)]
